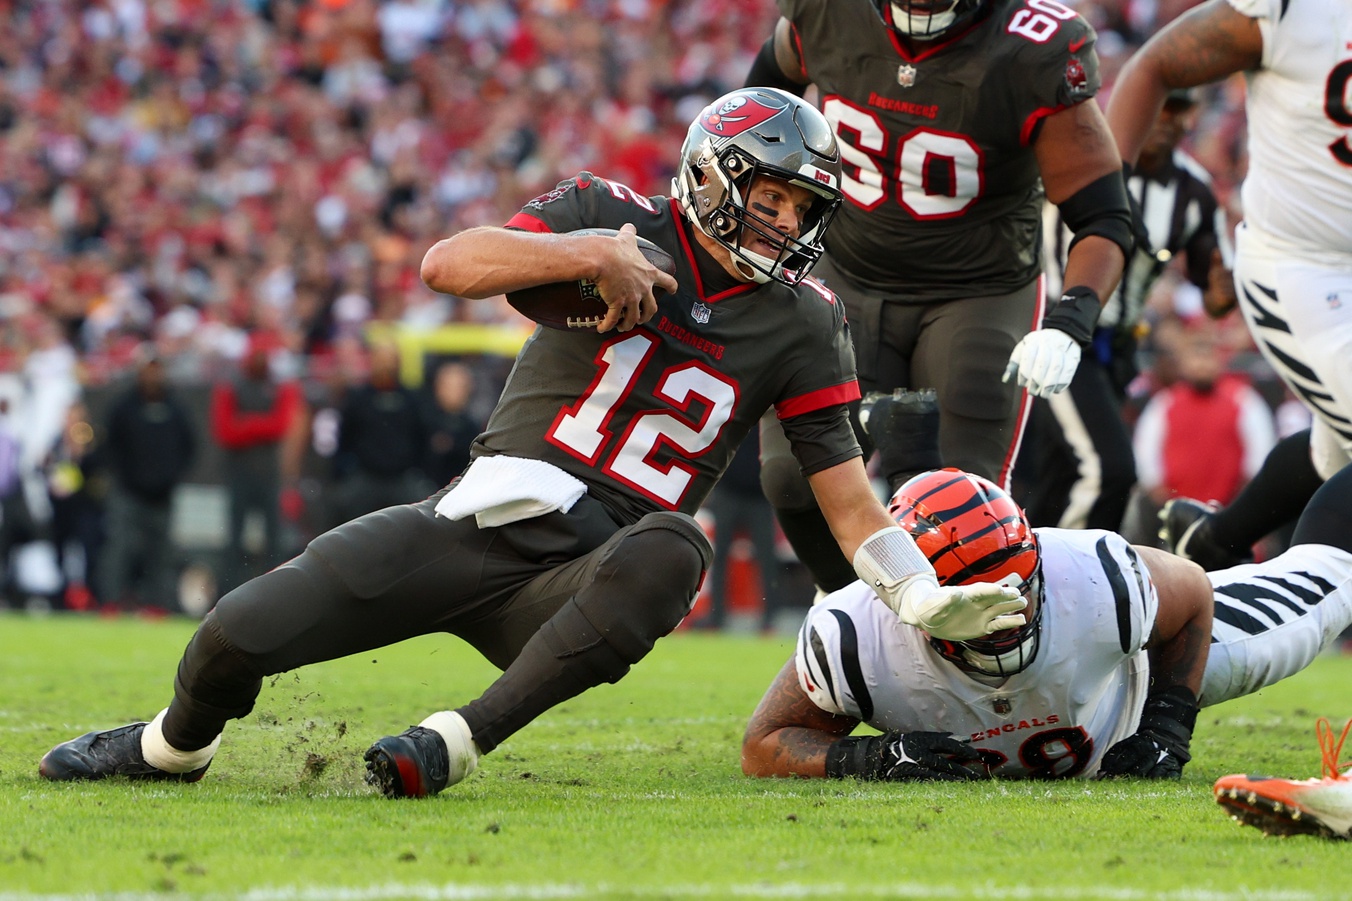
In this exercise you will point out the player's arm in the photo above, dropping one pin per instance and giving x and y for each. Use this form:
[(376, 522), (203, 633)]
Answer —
[(778, 64), (488, 260), (1205, 44), (1181, 637), (788, 735), (1178, 645), (1083, 177), (886, 558), (1082, 174)]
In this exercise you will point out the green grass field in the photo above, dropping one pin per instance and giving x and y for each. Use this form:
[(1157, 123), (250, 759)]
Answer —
[(631, 791)]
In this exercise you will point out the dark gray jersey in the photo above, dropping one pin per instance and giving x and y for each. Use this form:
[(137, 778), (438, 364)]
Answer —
[(943, 193), (650, 418)]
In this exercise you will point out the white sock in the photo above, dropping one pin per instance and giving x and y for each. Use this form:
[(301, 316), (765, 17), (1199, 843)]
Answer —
[(164, 756), (460, 746)]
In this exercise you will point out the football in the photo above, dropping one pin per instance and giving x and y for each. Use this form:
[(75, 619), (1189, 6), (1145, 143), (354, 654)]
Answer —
[(578, 304)]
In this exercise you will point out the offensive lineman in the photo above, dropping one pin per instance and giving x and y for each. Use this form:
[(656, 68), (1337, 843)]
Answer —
[(953, 116), (1293, 251), (1105, 679), (567, 548)]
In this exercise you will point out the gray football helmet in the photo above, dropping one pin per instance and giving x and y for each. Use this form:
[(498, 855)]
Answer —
[(751, 132)]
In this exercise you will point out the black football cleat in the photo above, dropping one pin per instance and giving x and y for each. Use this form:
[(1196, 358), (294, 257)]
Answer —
[(412, 764), (1185, 529), (99, 755)]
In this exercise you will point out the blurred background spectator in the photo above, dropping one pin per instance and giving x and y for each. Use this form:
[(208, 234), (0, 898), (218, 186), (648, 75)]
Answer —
[(150, 445), (382, 440), (252, 411), (452, 423), (1205, 433)]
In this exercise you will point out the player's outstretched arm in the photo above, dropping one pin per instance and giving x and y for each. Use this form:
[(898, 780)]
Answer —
[(1205, 44), (788, 735), (488, 260), (1178, 648), (885, 557)]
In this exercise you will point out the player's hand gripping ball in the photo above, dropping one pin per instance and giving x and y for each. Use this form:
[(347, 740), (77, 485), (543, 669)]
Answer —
[(578, 304)]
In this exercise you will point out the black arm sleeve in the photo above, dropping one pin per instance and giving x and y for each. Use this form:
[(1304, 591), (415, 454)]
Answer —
[(1100, 208), (766, 73)]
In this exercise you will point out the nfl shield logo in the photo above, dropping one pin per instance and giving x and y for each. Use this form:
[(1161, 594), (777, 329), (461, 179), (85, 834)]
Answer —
[(1002, 706), (700, 312), (906, 75)]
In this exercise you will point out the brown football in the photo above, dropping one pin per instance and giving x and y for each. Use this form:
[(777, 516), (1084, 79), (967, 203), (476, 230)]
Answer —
[(577, 304)]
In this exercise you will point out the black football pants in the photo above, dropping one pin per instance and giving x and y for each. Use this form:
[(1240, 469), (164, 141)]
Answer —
[(561, 602)]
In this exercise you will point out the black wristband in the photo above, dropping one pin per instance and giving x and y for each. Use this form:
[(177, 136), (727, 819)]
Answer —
[(1177, 703), (860, 756), (1076, 314), (1169, 716)]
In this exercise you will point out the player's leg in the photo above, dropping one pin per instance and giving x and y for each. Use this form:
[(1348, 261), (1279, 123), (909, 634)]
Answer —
[(962, 352), (587, 622), (379, 579), (1090, 418), (1272, 619), (1273, 497), (787, 490), (1300, 317)]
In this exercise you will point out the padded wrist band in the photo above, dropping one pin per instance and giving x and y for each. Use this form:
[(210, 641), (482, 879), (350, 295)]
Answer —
[(1177, 704), (859, 756), (1076, 314), (888, 557)]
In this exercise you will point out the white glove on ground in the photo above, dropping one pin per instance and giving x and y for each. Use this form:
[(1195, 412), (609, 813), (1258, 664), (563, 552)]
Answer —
[(1044, 361)]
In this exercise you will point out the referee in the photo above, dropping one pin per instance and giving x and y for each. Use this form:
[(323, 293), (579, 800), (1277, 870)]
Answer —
[(1077, 468)]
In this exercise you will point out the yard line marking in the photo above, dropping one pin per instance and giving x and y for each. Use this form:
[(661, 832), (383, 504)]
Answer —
[(531, 892)]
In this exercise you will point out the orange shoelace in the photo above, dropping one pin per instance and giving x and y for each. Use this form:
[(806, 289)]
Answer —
[(1331, 747)]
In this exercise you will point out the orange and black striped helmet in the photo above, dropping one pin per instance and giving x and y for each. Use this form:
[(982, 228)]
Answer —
[(972, 531)]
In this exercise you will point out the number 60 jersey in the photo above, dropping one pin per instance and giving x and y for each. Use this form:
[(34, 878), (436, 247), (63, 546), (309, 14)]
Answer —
[(1082, 694), (937, 146), (650, 418)]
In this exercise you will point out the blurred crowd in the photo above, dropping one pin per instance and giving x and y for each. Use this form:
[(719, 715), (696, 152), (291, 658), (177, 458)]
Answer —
[(186, 185)]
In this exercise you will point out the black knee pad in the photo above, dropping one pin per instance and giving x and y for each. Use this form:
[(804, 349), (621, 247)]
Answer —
[(784, 485), (215, 682), (647, 583)]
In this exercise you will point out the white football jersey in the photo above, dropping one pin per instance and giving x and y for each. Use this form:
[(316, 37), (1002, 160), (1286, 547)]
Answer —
[(1082, 694), (1299, 108)]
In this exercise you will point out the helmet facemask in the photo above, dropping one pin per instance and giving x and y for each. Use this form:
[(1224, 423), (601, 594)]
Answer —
[(926, 19), (1003, 653)]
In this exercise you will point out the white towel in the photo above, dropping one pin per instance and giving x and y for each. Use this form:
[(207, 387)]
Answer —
[(499, 490)]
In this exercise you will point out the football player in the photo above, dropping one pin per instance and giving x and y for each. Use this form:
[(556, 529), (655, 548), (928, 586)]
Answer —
[(956, 118), (568, 546), (1122, 646), (1293, 251)]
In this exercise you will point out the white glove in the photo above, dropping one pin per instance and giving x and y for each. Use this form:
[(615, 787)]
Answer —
[(1045, 361), (962, 611), (890, 563)]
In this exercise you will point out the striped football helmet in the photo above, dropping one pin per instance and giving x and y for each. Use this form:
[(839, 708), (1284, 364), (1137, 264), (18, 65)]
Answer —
[(972, 531)]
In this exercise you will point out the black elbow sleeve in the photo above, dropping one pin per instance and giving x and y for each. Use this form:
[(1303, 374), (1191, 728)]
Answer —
[(1101, 208)]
